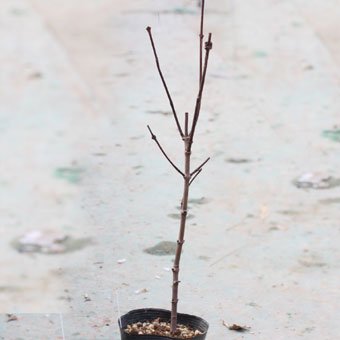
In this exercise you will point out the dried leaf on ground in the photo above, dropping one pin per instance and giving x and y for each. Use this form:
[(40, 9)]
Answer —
[(11, 317), (141, 291), (235, 327)]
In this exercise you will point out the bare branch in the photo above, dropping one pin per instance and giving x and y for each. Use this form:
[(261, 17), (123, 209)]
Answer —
[(201, 35), (200, 167), (208, 47), (164, 83), (153, 136), (197, 173)]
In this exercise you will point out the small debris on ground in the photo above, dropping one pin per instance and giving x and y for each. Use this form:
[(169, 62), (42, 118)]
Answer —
[(315, 180), (11, 317), (141, 291), (162, 328), (86, 298), (48, 242), (167, 269), (121, 261), (105, 322), (235, 327), (238, 160)]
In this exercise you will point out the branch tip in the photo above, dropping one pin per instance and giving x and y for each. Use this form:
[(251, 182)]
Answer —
[(208, 44)]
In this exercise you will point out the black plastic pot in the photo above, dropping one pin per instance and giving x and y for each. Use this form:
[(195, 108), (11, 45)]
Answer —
[(149, 314)]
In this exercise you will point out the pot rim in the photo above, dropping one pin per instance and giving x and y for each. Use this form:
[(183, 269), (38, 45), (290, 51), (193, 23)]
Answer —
[(185, 315)]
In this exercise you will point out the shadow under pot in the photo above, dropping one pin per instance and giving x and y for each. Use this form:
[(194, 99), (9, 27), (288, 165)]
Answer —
[(151, 314)]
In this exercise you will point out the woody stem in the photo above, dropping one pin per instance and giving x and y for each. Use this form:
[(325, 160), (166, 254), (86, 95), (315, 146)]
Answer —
[(180, 241)]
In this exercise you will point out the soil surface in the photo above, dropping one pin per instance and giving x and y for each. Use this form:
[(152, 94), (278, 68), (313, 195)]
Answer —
[(78, 87), (162, 328)]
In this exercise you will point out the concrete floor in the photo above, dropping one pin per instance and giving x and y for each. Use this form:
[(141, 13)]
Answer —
[(79, 85)]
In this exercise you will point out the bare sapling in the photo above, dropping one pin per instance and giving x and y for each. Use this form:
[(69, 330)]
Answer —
[(187, 135)]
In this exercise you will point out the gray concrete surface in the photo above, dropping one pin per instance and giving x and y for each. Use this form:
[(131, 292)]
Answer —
[(79, 85)]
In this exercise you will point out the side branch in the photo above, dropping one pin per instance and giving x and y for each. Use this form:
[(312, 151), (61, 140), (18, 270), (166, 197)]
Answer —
[(164, 83), (208, 47), (153, 136), (197, 173), (199, 168)]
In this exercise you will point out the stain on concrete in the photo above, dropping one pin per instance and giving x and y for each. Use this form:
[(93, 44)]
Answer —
[(260, 54), (182, 10), (99, 154), (333, 200), (162, 248), (289, 212), (9, 289), (308, 330), (204, 257), (18, 11), (174, 11), (35, 75), (199, 201), (333, 135), (136, 138), (121, 75), (161, 112), (312, 261), (253, 304), (297, 24), (238, 160), (70, 174)]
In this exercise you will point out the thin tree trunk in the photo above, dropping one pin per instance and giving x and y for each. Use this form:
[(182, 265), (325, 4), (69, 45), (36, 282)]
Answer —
[(180, 241), (187, 137)]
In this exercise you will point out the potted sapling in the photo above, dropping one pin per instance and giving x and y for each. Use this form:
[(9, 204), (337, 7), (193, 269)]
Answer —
[(152, 323)]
